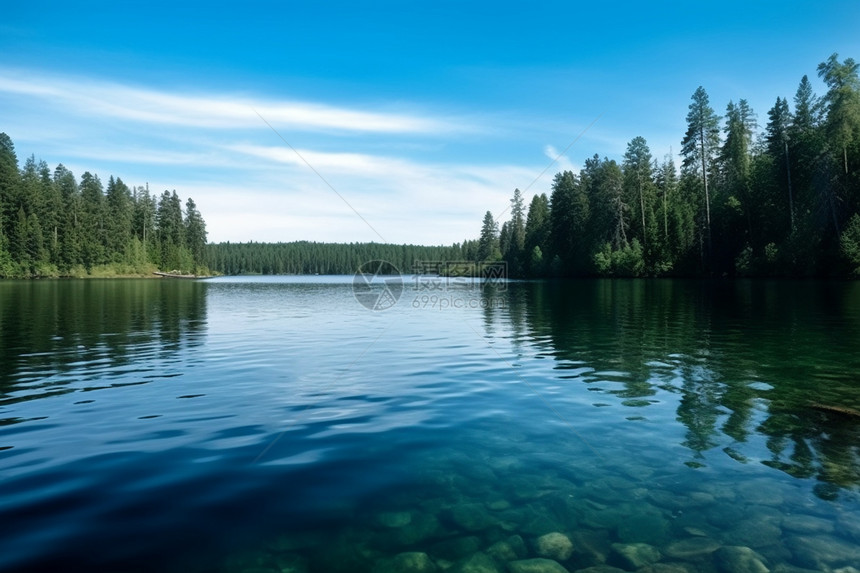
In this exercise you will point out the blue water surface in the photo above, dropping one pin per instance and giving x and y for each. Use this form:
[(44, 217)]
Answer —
[(277, 424)]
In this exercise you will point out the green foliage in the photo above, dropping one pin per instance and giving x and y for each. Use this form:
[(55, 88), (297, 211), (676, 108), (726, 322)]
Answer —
[(52, 226), (782, 204), (305, 257), (744, 262), (843, 103), (626, 261), (7, 265), (536, 264), (488, 244), (537, 223), (513, 246), (569, 213), (850, 244)]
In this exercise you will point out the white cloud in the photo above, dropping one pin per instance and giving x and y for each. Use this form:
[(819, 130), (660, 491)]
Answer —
[(215, 111), (561, 161), (407, 181), (403, 201)]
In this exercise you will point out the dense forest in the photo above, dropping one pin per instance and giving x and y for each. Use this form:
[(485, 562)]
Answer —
[(304, 257), (52, 225), (783, 200), (780, 201)]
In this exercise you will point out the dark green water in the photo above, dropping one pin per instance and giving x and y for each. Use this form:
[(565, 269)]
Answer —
[(275, 424)]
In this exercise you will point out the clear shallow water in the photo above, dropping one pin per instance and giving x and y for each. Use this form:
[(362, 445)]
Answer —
[(275, 424)]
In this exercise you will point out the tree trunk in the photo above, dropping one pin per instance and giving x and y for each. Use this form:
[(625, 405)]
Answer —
[(707, 195), (665, 213), (642, 209), (790, 196)]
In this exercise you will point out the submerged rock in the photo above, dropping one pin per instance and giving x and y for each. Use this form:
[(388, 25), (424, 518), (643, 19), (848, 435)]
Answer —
[(665, 499), (511, 549), (536, 566), (456, 548), (850, 526), (735, 559), (411, 562), (420, 528), (761, 492), (823, 551), (691, 548), (635, 555), (592, 546), (801, 523), (756, 532), (725, 515), (648, 526), (472, 517), (554, 545), (541, 525), (524, 489), (600, 569), (477, 563), (394, 519), (699, 499), (667, 568)]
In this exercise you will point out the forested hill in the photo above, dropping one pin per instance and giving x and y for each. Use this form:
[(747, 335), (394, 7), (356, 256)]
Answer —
[(304, 257), (52, 225), (778, 199)]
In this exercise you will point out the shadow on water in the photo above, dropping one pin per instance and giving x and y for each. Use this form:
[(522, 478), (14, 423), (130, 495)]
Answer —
[(744, 358)]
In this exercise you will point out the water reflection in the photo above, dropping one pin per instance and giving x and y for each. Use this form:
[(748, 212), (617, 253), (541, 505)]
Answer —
[(745, 359), (64, 336)]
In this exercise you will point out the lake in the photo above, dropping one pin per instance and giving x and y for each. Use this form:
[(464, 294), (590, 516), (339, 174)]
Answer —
[(278, 424)]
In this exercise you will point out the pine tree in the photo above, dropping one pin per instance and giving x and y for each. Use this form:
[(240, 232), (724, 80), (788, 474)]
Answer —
[(843, 103), (171, 233), (699, 146), (488, 244), (195, 234), (570, 212), (9, 184), (119, 213), (667, 183), (814, 197), (516, 250), (537, 223), (776, 138), (70, 236), (143, 223), (92, 221), (734, 178), (639, 188)]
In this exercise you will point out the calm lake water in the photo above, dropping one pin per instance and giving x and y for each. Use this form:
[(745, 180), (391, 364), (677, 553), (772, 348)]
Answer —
[(276, 424)]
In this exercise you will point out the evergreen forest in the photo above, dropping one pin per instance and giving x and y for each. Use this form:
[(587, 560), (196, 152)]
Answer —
[(780, 197), (52, 224)]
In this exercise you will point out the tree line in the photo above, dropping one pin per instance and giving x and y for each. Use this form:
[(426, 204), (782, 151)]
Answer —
[(53, 225), (308, 258), (781, 201)]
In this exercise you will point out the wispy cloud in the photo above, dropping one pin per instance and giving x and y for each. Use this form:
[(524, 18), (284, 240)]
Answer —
[(411, 174), (562, 162), (215, 111)]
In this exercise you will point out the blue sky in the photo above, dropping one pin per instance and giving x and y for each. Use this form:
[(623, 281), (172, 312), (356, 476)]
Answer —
[(421, 115)]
